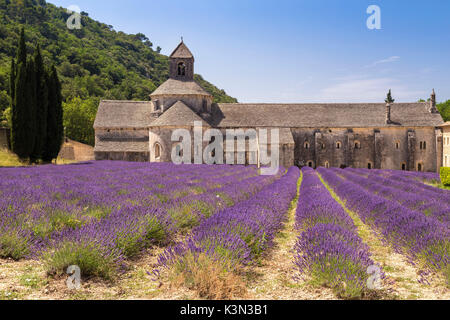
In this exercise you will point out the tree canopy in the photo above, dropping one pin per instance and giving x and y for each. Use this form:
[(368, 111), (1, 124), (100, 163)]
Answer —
[(92, 62)]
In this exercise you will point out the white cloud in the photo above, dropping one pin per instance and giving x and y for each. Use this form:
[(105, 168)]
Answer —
[(369, 90), (387, 60)]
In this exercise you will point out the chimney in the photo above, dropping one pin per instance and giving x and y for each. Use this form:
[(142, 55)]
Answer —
[(388, 113), (433, 103)]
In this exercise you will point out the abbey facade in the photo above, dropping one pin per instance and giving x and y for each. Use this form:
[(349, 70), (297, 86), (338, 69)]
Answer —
[(400, 136)]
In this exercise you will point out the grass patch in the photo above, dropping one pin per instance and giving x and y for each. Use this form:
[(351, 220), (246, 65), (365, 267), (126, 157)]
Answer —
[(92, 260), (207, 276), (32, 280), (13, 245), (9, 159)]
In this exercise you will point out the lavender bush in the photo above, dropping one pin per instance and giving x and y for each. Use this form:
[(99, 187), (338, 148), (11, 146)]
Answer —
[(238, 234), (97, 214), (424, 239), (329, 249)]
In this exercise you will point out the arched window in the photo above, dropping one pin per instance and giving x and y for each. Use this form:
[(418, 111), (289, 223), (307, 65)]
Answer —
[(323, 146), (306, 145), (369, 165), (404, 166), (181, 69), (327, 164), (310, 164), (178, 150), (338, 145), (420, 167), (357, 145), (157, 151), (397, 145)]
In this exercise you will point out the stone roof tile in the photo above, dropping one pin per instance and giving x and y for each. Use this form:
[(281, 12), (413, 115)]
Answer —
[(179, 87), (325, 115), (178, 115), (123, 114)]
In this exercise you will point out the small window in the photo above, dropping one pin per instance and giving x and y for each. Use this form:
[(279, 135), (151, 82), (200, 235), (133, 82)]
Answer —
[(404, 166), (423, 145), (357, 145), (204, 105), (179, 151), (181, 69), (338, 145), (157, 151), (397, 145), (327, 164), (310, 164), (323, 146), (420, 167), (369, 165), (306, 145), (156, 103)]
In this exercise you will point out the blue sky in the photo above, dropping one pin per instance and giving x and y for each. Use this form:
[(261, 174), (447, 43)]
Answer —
[(298, 51)]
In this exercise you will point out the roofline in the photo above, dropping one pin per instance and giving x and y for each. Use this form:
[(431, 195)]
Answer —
[(124, 101), (178, 46), (314, 103)]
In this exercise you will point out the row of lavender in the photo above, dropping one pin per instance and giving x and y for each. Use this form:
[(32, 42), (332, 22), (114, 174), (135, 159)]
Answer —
[(329, 249), (417, 196), (238, 234), (424, 239), (417, 176), (96, 214)]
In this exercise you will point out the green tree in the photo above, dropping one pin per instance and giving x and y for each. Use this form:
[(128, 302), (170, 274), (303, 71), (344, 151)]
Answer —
[(444, 109), (23, 110), (55, 129), (79, 117), (389, 97), (41, 104)]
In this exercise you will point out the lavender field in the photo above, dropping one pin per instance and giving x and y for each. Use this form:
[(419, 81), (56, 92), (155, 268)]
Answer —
[(162, 231)]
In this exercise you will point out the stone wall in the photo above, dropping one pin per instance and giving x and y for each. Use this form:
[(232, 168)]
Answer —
[(446, 146), (162, 137), (384, 148), (4, 138), (122, 156), (194, 101)]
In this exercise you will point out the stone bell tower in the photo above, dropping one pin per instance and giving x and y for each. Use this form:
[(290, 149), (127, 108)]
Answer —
[(182, 63)]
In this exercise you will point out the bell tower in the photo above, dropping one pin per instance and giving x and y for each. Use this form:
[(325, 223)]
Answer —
[(182, 63)]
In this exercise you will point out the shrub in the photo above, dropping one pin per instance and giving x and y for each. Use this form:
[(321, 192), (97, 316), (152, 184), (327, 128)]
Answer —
[(13, 245), (445, 176), (91, 258), (207, 276)]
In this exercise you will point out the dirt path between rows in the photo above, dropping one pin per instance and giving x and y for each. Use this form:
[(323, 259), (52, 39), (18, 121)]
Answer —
[(402, 281), (273, 278)]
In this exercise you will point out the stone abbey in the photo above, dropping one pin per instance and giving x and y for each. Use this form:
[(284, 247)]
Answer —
[(400, 136)]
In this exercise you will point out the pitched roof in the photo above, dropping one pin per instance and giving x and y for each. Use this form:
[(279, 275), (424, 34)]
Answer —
[(182, 51), (326, 115), (123, 114), (446, 124), (179, 87), (178, 115)]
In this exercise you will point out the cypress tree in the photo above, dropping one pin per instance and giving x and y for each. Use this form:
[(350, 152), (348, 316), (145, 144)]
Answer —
[(12, 82), (22, 50), (19, 131), (55, 129), (18, 100), (30, 108), (389, 98), (41, 105)]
